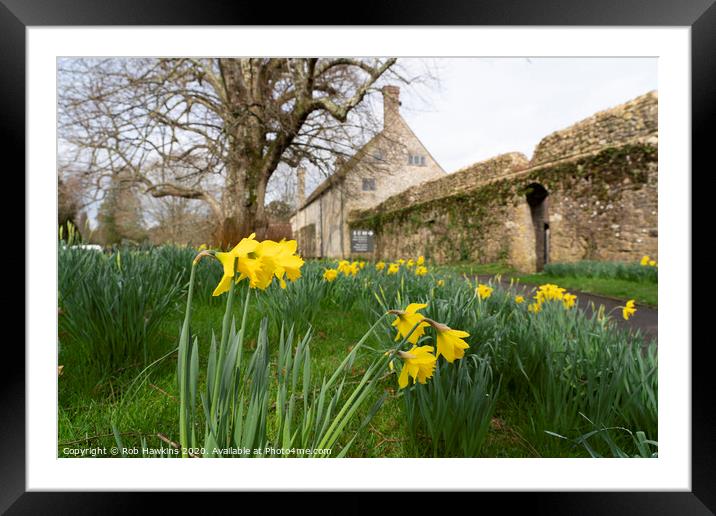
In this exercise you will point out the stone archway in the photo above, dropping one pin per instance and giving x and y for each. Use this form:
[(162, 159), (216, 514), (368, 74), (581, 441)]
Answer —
[(539, 210)]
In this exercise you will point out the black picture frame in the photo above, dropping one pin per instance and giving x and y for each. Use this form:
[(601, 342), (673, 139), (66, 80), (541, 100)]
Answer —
[(700, 15)]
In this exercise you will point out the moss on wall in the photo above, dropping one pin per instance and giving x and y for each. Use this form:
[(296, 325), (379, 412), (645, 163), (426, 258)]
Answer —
[(468, 225)]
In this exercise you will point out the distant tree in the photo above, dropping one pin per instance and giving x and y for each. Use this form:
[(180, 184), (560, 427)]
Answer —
[(282, 187), (279, 210), (217, 129), (178, 221), (120, 214), (68, 204)]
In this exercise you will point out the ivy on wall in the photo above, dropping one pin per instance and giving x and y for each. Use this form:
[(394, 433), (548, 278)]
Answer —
[(463, 222)]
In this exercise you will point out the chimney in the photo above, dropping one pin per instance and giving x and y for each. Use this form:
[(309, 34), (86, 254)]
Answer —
[(391, 105), (301, 186)]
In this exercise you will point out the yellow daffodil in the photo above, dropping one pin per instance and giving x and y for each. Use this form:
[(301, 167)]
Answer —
[(260, 262), (519, 299), (549, 292), (361, 264), (380, 266), (450, 343), (420, 260), (393, 268), (278, 259), (246, 265), (483, 291), (421, 270), (652, 263), (406, 319), (568, 300), (534, 307), (202, 247), (629, 309), (401, 261), (348, 268), (353, 269), (418, 364), (645, 259), (330, 274), (344, 266), (410, 263), (441, 283)]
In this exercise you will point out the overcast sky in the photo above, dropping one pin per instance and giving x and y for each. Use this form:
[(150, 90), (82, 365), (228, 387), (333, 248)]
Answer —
[(488, 106)]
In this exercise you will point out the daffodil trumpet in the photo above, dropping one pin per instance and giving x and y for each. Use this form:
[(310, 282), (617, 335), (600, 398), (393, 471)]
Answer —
[(404, 318), (450, 343), (407, 336), (418, 364)]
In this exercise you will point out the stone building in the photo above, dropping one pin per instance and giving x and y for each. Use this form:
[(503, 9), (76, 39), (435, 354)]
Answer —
[(390, 162), (589, 192)]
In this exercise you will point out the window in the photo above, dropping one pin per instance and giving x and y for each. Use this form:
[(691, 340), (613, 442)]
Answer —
[(368, 184), (416, 160)]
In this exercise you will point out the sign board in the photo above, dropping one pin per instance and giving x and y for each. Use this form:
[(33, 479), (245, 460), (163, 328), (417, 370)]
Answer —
[(361, 240)]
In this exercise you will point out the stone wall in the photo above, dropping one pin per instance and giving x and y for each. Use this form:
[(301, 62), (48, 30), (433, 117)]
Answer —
[(464, 179), (632, 120), (600, 179), (601, 205)]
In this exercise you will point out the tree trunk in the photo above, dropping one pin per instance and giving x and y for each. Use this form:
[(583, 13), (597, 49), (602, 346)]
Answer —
[(245, 213), (233, 228), (228, 233)]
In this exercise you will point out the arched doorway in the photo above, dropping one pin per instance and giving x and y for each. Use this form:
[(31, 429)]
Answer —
[(537, 200)]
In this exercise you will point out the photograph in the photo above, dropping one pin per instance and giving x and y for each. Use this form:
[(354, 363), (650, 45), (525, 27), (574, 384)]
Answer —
[(452, 252), (357, 257)]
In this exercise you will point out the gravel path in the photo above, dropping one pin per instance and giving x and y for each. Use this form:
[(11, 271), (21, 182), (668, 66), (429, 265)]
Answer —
[(646, 319)]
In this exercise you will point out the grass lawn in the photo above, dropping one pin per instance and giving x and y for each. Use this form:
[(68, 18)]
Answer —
[(644, 293), (141, 406), (142, 402)]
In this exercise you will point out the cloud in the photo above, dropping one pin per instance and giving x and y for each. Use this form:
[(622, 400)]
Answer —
[(487, 106)]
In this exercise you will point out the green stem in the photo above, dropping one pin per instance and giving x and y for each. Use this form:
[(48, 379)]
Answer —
[(242, 330), (183, 368), (225, 330), (349, 407)]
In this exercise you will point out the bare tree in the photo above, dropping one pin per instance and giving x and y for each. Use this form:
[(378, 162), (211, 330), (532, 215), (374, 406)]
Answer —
[(214, 130), (120, 215), (72, 202), (177, 220), (282, 186), (68, 200)]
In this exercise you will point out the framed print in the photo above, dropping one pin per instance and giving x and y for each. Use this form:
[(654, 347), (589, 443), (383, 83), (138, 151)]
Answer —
[(430, 252)]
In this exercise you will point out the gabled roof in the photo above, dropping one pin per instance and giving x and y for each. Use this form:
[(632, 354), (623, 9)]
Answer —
[(422, 145), (346, 167), (339, 174)]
